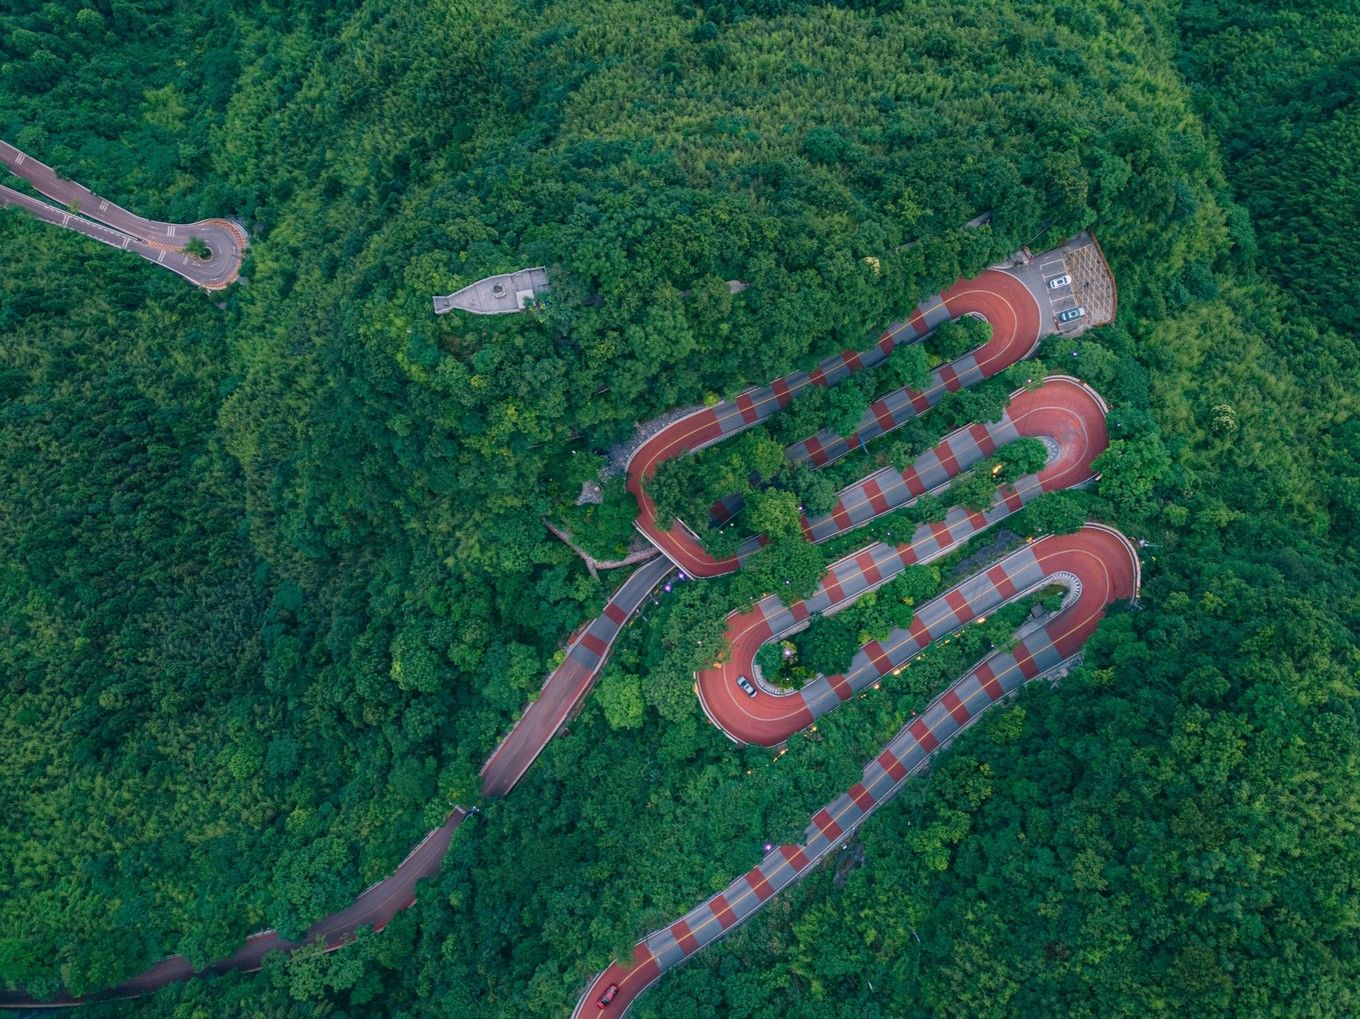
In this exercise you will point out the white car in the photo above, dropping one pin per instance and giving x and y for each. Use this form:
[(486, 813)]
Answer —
[(1059, 281), (746, 686), (1071, 314)]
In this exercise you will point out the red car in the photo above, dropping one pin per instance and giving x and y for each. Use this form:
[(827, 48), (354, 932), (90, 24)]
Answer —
[(607, 996)]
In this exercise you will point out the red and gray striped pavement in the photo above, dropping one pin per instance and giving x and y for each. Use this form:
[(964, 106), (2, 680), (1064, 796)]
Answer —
[(589, 648), (999, 297), (1097, 565), (103, 221), (994, 294), (1066, 412)]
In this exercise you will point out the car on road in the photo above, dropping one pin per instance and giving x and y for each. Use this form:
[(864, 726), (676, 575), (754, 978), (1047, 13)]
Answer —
[(1071, 315), (1059, 281), (745, 684), (607, 996)]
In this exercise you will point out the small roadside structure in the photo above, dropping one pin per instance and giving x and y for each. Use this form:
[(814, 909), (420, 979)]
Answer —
[(497, 295)]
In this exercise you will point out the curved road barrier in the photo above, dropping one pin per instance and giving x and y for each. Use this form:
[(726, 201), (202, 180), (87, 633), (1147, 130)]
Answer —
[(1097, 564), (100, 219), (999, 297), (1062, 410)]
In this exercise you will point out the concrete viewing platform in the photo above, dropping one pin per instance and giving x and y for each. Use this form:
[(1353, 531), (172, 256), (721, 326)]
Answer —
[(498, 295)]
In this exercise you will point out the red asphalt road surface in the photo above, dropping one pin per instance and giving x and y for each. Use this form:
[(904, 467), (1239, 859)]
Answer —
[(1062, 409), (374, 908), (1106, 566), (562, 693), (997, 296), (98, 218)]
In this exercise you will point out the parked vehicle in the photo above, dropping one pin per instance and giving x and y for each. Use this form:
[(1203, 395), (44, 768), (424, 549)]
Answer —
[(607, 996), (1071, 315), (745, 684), (1059, 281)]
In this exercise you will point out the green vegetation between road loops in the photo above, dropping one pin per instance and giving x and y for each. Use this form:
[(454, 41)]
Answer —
[(275, 577)]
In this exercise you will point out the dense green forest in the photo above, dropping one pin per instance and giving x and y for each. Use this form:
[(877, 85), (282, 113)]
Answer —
[(275, 577)]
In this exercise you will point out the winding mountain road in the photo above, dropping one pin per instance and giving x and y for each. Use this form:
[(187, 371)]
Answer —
[(999, 297), (100, 219), (1062, 410), (1097, 565), (1017, 327), (569, 683), (375, 907)]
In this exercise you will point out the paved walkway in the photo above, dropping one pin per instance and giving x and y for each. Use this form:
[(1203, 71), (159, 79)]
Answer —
[(100, 219), (1097, 564)]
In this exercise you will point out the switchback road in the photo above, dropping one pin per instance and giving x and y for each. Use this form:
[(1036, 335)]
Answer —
[(1017, 327), (1097, 565), (999, 297), (100, 219), (1062, 410), (1008, 304)]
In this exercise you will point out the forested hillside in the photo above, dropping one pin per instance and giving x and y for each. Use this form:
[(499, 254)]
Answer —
[(275, 573), (1278, 83)]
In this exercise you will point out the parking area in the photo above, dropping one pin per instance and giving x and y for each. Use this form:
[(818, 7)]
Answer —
[(1089, 286), (1073, 285), (1063, 306)]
